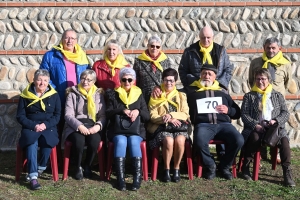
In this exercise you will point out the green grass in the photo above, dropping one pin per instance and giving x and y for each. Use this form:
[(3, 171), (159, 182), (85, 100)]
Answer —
[(269, 185)]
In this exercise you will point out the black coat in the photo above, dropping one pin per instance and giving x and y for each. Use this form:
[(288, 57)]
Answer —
[(30, 116), (115, 106)]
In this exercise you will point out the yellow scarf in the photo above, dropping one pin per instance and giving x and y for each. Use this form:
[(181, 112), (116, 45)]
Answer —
[(119, 63), (90, 101), (133, 96), (206, 53), (79, 57), (263, 93), (29, 95), (163, 99), (215, 86), (276, 60), (156, 62)]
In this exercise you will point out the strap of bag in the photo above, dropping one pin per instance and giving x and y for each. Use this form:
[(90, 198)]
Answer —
[(151, 75)]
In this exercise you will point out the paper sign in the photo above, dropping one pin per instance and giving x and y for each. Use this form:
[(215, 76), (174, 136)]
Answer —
[(208, 105)]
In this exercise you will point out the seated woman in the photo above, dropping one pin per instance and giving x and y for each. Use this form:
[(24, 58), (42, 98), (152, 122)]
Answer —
[(85, 117), (107, 70), (264, 103), (127, 100), (170, 107), (38, 112)]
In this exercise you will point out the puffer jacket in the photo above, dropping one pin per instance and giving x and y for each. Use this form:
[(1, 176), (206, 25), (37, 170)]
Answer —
[(191, 64), (53, 61)]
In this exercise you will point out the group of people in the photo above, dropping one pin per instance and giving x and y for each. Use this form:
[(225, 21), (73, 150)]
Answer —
[(68, 100)]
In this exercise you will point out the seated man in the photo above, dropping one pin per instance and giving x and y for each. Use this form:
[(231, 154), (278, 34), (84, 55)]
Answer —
[(211, 111)]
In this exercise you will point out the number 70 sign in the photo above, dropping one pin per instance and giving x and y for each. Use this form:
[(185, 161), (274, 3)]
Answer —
[(208, 105)]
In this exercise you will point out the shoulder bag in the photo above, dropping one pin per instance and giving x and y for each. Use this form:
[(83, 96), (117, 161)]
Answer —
[(124, 125)]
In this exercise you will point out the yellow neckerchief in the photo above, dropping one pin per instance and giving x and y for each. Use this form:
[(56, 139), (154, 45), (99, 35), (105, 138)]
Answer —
[(29, 95), (263, 93), (79, 57), (276, 60), (133, 96), (163, 99), (156, 62), (206, 53), (90, 101), (119, 63), (214, 86)]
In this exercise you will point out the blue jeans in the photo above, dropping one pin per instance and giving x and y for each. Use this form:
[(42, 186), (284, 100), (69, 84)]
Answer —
[(234, 141), (133, 142), (31, 153)]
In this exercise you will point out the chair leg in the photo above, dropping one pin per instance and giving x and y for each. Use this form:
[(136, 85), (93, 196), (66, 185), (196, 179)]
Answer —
[(155, 153), (67, 150), (199, 166), (256, 165), (53, 159), (19, 159), (144, 160), (188, 153), (109, 160), (101, 160), (241, 159), (234, 168), (274, 157)]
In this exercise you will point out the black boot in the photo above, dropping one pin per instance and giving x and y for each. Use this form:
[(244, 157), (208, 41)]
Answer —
[(210, 172), (287, 175), (245, 170), (167, 177), (120, 168), (137, 172), (176, 175)]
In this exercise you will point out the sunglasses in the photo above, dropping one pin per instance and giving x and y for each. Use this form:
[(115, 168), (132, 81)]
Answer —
[(127, 79), (153, 46)]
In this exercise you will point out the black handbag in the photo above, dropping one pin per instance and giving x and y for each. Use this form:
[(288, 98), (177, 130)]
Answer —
[(171, 128), (88, 123), (271, 136), (124, 125)]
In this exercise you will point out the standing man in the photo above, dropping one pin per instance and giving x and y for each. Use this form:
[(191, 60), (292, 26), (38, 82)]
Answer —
[(279, 68), (203, 52)]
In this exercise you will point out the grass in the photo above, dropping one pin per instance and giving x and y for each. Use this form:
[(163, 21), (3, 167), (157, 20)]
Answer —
[(269, 185)]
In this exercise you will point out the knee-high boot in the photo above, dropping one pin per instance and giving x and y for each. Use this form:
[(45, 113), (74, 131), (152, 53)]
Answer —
[(120, 169), (137, 172)]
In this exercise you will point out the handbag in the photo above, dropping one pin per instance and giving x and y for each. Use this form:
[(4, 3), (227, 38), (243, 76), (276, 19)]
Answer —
[(124, 125), (88, 123), (170, 127), (271, 136)]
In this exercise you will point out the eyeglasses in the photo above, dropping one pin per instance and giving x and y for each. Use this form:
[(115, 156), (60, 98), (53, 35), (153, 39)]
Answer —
[(126, 79), (70, 38), (171, 81), (153, 46), (85, 79), (261, 79)]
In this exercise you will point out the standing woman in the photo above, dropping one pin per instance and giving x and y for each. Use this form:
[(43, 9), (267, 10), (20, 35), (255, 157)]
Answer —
[(85, 117), (127, 100), (38, 112), (149, 67), (170, 107), (108, 69)]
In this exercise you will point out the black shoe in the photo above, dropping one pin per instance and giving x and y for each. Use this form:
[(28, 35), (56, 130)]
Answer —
[(137, 173), (226, 174), (288, 177), (120, 169), (176, 175), (210, 172), (87, 172), (79, 174), (246, 173), (34, 184), (167, 177)]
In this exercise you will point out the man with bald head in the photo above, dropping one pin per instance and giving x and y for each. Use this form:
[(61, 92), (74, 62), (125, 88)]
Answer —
[(203, 52)]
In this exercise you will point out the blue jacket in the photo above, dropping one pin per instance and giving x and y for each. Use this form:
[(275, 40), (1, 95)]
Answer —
[(30, 116), (53, 61)]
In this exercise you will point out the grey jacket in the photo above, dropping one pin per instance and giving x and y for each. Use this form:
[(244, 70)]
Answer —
[(250, 112), (76, 108), (191, 64)]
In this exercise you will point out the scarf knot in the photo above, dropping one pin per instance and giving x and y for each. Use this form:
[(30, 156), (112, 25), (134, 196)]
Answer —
[(90, 100), (264, 94), (156, 62), (214, 86), (119, 63), (276, 60), (130, 98), (79, 57), (206, 53)]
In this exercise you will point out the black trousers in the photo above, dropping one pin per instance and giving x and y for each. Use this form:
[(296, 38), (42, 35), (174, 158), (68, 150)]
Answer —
[(254, 142), (79, 141)]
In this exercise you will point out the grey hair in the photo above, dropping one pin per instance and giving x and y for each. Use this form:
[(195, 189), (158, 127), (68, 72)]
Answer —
[(127, 71), (40, 72), (272, 40), (112, 42), (65, 32), (154, 38), (90, 72), (263, 72)]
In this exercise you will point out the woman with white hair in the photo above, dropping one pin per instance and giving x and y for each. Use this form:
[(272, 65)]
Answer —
[(107, 70), (127, 101), (149, 67)]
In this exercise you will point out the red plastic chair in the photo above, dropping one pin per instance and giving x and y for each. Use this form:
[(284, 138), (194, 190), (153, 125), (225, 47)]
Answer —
[(256, 162), (188, 154), (110, 160), (20, 160), (200, 164), (100, 152)]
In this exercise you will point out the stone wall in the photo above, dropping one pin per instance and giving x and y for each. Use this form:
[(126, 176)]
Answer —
[(28, 29)]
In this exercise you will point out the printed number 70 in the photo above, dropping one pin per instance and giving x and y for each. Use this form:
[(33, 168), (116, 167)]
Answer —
[(212, 103)]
